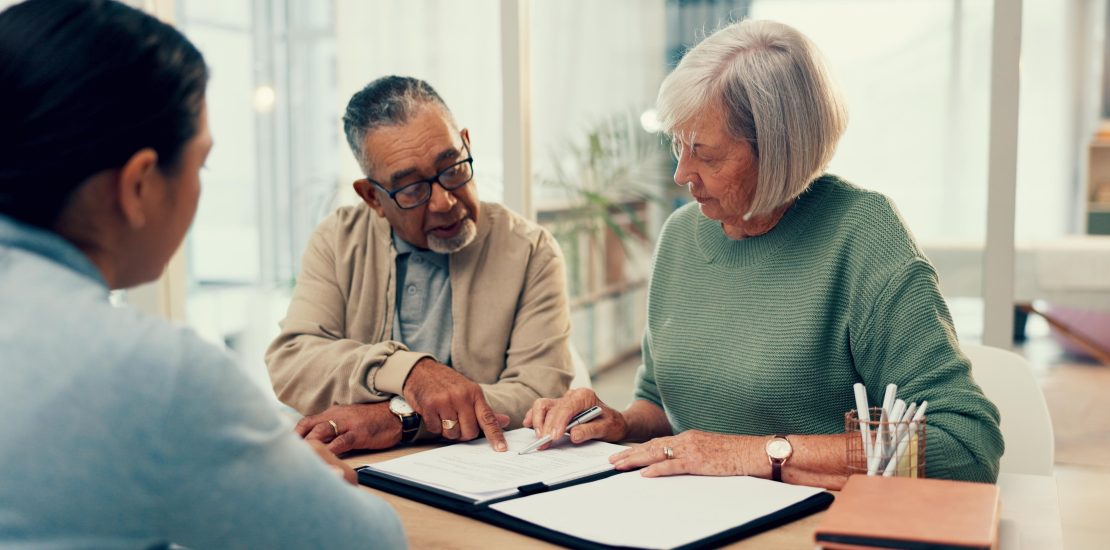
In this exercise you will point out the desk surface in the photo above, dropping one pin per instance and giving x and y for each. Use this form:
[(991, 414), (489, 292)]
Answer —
[(1030, 518)]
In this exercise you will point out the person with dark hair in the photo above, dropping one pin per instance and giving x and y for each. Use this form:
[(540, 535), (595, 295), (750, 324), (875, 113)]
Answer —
[(120, 429), (420, 312)]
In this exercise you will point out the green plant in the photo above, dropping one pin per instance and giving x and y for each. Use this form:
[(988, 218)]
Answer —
[(607, 176)]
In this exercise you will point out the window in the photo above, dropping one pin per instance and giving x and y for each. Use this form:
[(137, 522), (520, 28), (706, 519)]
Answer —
[(282, 73), (915, 73)]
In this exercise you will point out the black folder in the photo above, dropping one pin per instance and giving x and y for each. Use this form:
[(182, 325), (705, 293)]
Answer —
[(482, 511)]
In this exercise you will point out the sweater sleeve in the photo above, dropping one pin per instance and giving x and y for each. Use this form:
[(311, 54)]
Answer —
[(906, 337), (537, 363), (235, 475), (646, 389), (312, 363)]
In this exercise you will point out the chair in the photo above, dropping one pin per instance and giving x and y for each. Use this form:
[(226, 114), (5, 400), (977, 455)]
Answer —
[(1007, 380), (581, 373)]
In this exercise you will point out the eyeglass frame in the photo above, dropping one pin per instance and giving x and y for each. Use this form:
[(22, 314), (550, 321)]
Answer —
[(434, 180)]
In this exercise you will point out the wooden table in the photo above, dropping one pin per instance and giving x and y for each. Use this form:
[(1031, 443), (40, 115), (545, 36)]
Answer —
[(1030, 518)]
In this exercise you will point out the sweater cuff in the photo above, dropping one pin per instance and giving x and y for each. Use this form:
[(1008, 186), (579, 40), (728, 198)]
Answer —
[(390, 378)]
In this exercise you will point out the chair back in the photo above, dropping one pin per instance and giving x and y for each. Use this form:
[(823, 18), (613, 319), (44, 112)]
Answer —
[(1007, 380), (581, 372)]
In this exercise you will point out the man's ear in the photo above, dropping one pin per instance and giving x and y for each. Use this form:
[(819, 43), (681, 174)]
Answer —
[(366, 191), (465, 136), (134, 186)]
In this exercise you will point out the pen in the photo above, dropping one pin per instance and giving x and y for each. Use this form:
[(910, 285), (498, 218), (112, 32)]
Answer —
[(880, 438), (580, 418), (917, 416), (863, 413)]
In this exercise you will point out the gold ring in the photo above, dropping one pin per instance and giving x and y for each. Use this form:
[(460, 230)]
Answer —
[(334, 427), (668, 453), (448, 424)]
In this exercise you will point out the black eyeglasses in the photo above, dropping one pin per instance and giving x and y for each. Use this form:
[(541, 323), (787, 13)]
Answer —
[(418, 192)]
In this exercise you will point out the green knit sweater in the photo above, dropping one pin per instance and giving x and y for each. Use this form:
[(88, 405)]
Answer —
[(768, 334)]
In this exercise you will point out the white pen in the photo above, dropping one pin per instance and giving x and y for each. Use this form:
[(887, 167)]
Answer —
[(890, 467), (863, 413), (580, 418), (884, 417), (906, 418), (893, 431)]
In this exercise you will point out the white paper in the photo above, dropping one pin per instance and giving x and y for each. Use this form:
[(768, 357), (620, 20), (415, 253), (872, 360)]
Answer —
[(664, 512), (476, 471)]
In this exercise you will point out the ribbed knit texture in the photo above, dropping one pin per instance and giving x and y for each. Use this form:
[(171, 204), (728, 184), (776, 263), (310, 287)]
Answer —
[(768, 334)]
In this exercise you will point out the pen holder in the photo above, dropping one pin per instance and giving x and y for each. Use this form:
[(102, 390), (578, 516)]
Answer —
[(897, 436)]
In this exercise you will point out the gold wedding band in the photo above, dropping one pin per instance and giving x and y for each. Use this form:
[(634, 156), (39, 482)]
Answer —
[(668, 453), (334, 427), (448, 424)]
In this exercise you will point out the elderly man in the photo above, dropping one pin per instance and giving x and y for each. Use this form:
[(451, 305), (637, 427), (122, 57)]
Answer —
[(421, 312)]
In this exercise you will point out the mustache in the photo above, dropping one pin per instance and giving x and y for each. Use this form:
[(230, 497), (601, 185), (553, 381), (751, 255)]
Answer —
[(450, 218)]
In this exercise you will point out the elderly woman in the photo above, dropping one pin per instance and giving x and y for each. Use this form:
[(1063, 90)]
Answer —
[(121, 430), (779, 289)]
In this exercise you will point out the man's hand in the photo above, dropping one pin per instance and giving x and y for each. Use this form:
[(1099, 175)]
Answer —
[(452, 405), (341, 468), (347, 427)]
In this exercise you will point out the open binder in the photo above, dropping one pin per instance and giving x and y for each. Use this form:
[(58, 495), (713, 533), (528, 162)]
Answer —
[(786, 503)]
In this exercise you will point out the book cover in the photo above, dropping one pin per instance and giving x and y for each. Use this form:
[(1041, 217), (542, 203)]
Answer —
[(897, 512)]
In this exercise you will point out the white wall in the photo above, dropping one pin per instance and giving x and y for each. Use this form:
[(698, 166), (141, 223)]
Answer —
[(455, 46)]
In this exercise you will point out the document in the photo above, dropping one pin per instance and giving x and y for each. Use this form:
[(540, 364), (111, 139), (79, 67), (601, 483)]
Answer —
[(630, 510), (475, 471)]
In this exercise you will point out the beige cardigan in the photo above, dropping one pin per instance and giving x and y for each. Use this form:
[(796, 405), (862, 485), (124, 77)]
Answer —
[(508, 305)]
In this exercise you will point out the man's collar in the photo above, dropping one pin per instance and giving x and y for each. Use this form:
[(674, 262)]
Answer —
[(404, 247)]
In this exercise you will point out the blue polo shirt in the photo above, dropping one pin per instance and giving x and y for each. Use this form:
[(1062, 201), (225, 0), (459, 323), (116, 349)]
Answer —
[(423, 319)]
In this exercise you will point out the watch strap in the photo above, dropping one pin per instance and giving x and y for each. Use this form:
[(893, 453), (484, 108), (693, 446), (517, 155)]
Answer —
[(410, 426), (776, 463)]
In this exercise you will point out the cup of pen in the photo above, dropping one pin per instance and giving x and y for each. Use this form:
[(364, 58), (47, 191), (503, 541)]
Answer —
[(879, 446)]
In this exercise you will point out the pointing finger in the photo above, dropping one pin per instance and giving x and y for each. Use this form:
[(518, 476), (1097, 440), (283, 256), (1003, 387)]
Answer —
[(490, 426)]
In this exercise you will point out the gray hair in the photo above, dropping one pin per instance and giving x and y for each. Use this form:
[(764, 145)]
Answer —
[(387, 101), (772, 84)]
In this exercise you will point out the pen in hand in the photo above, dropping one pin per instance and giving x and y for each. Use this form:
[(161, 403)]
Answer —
[(580, 418)]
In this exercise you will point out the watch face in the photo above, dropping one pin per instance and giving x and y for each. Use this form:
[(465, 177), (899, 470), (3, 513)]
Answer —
[(399, 406), (778, 448)]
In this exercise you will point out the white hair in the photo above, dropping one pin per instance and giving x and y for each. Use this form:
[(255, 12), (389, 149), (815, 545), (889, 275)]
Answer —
[(456, 243), (772, 84)]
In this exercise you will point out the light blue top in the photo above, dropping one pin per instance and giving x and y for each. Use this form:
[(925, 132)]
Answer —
[(424, 322), (119, 430)]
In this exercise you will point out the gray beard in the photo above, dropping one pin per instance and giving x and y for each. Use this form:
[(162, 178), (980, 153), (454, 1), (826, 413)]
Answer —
[(464, 237)]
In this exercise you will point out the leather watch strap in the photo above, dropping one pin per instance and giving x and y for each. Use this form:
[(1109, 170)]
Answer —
[(410, 426), (776, 463)]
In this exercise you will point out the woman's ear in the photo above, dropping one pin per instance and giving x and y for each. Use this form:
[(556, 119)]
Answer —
[(134, 186)]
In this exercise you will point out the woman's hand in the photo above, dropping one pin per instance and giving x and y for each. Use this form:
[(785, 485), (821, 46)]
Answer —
[(692, 452), (551, 416)]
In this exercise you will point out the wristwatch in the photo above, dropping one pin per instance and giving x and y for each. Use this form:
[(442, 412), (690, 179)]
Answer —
[(410, 421), (779, 450)]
